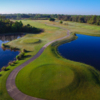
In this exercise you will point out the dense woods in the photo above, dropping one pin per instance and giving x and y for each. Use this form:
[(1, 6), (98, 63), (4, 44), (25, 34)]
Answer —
[(30, 16), (9, 26), (91, 19), (51, 19), (82, 19)]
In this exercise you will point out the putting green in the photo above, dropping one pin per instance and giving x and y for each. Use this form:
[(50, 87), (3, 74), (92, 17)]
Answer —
[(51, 77), (30, 41)]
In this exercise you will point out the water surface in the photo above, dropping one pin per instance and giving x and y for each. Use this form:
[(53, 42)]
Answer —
[(7, 55), (85, 49)]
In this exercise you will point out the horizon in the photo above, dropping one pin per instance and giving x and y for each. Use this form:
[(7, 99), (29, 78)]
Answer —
[(49, 14), (66, 7)]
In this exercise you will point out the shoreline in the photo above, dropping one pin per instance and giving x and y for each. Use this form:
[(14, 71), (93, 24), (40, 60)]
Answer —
[(10, 83), (19, 33), (49, 30)]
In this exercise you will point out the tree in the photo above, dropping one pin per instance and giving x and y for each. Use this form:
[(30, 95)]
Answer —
[(81, 19), (61, 22), (7, 26), (14, 27), (92, 20), (51, 19)]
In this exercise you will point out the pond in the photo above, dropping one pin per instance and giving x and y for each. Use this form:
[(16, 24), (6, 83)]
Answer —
[(7, 55), (85, 49)]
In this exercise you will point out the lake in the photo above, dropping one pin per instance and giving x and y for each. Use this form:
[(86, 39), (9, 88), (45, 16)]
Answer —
[(85, 49), (7, 55)]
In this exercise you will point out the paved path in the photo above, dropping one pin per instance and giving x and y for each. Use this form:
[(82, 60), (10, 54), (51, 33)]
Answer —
[(10, 83)]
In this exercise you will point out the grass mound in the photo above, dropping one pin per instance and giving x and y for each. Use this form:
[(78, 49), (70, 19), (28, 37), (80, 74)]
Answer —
[(30, 41), (51, 77)]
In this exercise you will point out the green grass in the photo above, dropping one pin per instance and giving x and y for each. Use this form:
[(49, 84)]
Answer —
[(51, 77), (80, 28), (3, 92), (30, 41), (56, 77), (50, 34)]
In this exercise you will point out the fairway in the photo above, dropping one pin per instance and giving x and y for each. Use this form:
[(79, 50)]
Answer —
[(53, 78), (50, 50), (50, 76)]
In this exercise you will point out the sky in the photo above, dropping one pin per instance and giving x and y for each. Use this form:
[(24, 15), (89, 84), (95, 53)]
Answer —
[(78, 7)]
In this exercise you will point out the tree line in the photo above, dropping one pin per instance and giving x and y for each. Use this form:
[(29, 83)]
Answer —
[(7, 26), (30, 16), (91, 19)]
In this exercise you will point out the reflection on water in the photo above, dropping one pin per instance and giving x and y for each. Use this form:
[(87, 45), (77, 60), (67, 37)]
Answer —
[(7, 55), (4, 38)]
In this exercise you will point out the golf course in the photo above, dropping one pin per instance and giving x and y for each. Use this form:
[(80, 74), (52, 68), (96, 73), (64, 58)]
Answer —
[(43, 73)]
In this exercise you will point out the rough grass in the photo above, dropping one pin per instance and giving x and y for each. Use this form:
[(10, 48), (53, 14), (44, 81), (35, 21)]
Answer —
[(80, 28), (83, 82)]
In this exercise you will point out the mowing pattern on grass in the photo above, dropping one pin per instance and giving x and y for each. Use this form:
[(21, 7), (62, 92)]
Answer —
[(81, 28), (85, 85), (30, 41), (59, 79), (51, 77), (45, 37), (10, 84)]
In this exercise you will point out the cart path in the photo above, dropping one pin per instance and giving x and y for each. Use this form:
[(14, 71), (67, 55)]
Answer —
[(10, 83)]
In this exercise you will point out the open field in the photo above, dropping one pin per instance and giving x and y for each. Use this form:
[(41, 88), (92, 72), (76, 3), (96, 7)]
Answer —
[(51, 76), (80, 28)]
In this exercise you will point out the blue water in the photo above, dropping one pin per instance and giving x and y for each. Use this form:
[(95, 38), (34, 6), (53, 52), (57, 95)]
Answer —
[(85, 49), (7, 55)]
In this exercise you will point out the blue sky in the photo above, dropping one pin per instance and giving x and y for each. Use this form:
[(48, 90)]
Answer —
[(83, 7)]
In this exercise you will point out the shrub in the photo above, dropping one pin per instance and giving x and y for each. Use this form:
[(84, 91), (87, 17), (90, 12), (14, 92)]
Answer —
[(4, 68), (10, 63), (23, 50), (14, 48), (11, 48), (20, 56), (61, 22), (14, 62), (0, 74), (3, 48), (17, 57), (3, 45)]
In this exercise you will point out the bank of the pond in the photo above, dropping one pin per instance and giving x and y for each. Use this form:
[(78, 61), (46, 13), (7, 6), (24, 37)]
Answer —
[(52, 77), (7, 55), (11, 79), (85, 49), (50, 34)]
